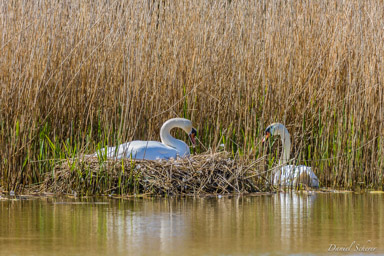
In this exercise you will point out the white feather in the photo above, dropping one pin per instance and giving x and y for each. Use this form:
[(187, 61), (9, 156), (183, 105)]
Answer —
[(168, 148)]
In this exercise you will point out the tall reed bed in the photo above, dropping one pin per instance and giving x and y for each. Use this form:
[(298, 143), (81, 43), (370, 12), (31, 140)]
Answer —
[(78, 75)]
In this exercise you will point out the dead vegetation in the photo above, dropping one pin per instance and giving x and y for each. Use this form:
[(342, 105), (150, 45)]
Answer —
[(198, 175), (80, 75)]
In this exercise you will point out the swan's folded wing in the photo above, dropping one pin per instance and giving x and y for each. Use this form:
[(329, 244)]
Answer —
[(290, 174), (149, 150)]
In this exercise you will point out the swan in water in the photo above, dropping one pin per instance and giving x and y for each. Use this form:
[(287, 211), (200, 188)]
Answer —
[(289, 175), (169, 147)]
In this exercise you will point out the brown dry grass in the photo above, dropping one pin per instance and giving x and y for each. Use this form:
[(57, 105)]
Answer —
[(201, 174), (75, 74)]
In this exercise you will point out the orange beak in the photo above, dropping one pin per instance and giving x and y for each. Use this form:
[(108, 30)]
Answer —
[(192, 135), (266, 137)]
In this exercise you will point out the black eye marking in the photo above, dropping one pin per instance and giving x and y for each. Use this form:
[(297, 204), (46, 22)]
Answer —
[(268, 130), (194, 131)]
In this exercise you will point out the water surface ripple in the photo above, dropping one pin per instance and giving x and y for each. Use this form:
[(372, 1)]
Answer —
[(239, 225)]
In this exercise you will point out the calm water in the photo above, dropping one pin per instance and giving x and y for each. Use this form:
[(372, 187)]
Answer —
[(274, 224)]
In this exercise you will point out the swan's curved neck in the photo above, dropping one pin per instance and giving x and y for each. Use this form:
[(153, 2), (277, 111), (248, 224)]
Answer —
[(286, 142), (168, 140)]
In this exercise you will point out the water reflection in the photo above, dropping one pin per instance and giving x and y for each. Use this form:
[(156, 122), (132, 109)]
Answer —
[(281, 223)]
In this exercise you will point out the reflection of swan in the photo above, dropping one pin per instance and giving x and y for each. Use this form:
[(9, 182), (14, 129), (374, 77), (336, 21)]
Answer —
[(169, 147), (294, 213), (289, 174)]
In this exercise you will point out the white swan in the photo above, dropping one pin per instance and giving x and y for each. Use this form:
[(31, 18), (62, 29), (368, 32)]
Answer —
[(169, 147), (289, 175)]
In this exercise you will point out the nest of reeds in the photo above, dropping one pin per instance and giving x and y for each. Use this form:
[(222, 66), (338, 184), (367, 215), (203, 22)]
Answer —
[(210, 173)]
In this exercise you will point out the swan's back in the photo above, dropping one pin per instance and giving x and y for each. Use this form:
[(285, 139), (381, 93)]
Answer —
[(293, 175), (140, 150)]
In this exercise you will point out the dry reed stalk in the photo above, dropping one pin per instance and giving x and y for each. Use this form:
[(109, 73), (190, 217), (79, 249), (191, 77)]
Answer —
[(77, 74)]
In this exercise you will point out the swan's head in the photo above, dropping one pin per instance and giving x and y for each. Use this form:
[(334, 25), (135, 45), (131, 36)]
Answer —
[(182, 123), (192, 136), (271, 130), (186, 125)]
